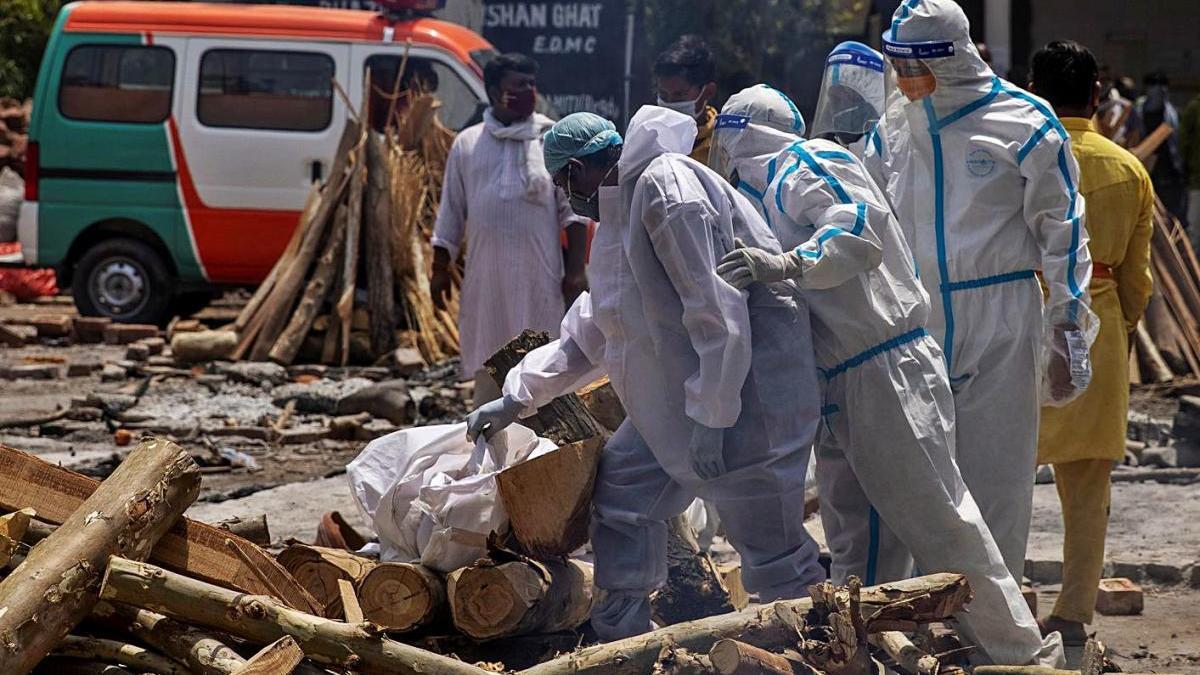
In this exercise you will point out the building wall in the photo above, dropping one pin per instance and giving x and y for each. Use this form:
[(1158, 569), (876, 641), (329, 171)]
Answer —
[(1132, 36)]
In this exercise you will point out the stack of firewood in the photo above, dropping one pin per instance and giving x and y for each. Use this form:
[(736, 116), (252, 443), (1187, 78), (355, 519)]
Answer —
[(353, 282), (111, 578), (14, 127), (1167, 345)]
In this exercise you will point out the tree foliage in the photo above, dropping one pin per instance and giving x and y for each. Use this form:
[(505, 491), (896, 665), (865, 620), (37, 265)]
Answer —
[(782, 42), (24, 28)]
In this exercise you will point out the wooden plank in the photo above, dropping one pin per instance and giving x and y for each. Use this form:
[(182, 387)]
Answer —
[(351, 609), (278, 658), (190, 547)]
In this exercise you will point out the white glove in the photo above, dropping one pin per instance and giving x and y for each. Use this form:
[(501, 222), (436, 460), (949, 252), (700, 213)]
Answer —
[(707, 449), (1069, 371), (743, 266), (492, 417)]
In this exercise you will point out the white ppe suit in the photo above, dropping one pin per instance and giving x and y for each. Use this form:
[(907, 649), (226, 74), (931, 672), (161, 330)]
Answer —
[(683, 348), (886, 445), (985, 188)]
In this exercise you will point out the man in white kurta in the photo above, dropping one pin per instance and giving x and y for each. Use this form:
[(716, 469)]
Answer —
[(498, 197)]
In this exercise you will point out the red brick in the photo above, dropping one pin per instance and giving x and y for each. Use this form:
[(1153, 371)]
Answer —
[(1119, 597), (125, 333)]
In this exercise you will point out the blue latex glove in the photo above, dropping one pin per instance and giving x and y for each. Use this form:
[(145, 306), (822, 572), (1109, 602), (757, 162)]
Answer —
[(491, 417), (707, 451)]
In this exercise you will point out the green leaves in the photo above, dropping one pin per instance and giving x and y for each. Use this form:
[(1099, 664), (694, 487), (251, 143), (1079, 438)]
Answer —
[(24, 28)]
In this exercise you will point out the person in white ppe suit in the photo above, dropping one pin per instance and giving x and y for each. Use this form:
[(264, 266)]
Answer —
[(985, 188), (852, 96), (886, 445), (719, 384)]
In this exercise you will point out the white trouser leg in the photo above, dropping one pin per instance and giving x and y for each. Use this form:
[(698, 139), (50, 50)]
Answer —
[(895, 424), (632, 501)]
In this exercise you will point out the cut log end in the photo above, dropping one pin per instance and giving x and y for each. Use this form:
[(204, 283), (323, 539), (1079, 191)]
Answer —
[(401, 597)]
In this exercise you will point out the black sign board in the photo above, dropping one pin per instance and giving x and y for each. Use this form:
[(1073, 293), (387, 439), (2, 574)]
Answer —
[(580, 47)]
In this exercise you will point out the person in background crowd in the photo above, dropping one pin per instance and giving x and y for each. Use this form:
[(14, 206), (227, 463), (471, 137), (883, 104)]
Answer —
[(685, 76), (719, 384), (1189, 146), (1155, 110), (1115, 109), (1120, 211), (498, 195), (984, 185)]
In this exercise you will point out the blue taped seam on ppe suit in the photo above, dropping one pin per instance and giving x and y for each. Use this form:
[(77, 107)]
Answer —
[(683, 348)]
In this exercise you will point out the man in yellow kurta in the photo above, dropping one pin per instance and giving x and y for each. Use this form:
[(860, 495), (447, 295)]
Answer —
[(1083, 439)]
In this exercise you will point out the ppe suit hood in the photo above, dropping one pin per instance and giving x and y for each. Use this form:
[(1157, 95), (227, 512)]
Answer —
[(755, 125), (926, 26), (653, 131)]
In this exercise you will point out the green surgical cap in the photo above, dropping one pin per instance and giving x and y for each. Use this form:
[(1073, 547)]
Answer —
[(577, 135)]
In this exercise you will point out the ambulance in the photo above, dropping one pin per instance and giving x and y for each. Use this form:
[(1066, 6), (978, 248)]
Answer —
[(173, 144)]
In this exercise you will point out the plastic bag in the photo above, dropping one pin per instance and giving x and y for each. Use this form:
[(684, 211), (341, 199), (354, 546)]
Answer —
[(431, 496)]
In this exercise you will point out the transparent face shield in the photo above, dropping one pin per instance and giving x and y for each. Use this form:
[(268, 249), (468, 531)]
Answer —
[(908, 66), (851, 100), (725, 134)]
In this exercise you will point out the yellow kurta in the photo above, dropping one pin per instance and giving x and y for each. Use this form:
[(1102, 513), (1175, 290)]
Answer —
[(704, 131), (1120, 210)]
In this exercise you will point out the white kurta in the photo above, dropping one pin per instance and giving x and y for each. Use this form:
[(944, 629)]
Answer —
[(514, 268)]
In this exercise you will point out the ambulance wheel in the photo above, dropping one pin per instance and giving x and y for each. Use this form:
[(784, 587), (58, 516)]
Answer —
[(125, 280)]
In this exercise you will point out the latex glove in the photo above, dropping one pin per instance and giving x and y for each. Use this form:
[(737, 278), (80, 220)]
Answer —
[(491, 417), (743, 266), (707, 450), (1070, 369), (439, 287)]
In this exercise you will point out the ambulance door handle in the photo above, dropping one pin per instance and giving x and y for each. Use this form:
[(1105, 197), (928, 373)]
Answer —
[(316, 171)]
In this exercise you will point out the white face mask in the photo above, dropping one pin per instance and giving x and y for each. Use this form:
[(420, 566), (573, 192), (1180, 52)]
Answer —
[(684, 107)]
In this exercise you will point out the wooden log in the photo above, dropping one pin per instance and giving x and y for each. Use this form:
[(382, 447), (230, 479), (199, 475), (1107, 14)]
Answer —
[(549, 499), (55, 588), (349, 278), (565, 419), (490, 600), (261, 620), (253, 529), (65, 665), (694, 587), (112, 651), (730, 657), (381, 283), (905, 653), (203, 346), (318, 570), (677, 661), (401, 597), (278, 658), (276, 308), (311, 202), (203, 652), (1155, 368), (1167, 338), (772, 627), (319, 286), (194, 548), (602, 402), (1032, 670), (12, 529)]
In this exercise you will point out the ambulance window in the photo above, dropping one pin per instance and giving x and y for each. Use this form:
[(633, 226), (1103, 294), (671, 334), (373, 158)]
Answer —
[(460, 106), (262, 89), (117, 83)]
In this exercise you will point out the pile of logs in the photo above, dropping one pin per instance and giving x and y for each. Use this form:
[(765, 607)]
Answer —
[(1167, 345), (357, 267), (111, 578), (14, 127)]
